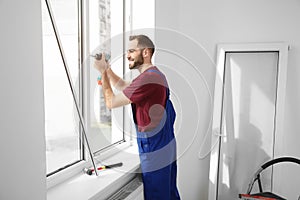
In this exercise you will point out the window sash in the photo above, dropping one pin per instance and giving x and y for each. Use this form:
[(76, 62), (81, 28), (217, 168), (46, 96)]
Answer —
[(80, 86)]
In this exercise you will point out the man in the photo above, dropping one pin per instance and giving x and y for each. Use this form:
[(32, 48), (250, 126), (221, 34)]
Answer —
[(153, 115)]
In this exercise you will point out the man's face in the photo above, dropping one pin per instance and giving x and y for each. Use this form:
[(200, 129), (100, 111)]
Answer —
[(134, 55)]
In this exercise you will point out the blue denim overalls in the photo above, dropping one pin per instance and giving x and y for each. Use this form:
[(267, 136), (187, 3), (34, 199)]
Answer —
[(157, 151)]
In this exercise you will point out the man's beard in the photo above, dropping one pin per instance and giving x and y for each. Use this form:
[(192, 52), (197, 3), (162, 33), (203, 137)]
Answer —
[(138, 62)]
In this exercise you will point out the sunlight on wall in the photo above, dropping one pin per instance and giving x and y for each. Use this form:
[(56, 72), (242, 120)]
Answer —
[(214, 167), (225, 177), (259, 101)]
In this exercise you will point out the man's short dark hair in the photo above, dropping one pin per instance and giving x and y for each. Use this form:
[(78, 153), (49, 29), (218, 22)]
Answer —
[(143, 42)]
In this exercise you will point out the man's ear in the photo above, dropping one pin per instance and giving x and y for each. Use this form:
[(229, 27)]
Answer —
[(146, 52)]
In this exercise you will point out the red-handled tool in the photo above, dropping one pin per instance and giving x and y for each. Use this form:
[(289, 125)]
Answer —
[(90, 171)]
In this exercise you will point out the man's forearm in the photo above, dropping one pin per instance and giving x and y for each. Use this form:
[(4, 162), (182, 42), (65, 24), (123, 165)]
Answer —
[(107, 90), (112, 100), (116, 81)]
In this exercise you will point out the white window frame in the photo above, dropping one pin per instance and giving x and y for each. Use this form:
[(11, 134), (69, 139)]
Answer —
[(81, 153), (74, 169), (222, 49)]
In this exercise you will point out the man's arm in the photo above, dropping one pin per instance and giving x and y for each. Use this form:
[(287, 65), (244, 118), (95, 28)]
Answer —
[(101, 65), (108, 77), (116, 81), (112, 100)]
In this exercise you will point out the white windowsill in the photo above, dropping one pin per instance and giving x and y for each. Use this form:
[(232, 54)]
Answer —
[(83, 186)]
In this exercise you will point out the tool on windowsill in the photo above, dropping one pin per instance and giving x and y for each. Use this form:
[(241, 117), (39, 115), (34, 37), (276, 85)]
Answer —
[(103, 167)]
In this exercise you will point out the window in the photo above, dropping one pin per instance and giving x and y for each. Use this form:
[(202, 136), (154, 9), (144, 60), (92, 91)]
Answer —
[(105, 34), (81, 35), (63, 146)]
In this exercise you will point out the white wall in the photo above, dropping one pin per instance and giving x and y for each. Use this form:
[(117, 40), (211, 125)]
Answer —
[(209, 23), (22, 146)]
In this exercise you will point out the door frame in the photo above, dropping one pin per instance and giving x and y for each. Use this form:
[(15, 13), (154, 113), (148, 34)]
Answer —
[(282, 49)]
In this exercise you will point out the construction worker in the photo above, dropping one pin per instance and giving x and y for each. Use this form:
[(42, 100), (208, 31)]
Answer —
[(153, 114)]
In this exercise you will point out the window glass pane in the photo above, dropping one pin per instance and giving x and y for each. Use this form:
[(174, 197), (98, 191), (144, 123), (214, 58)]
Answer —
[(61, 119), (105, 35)]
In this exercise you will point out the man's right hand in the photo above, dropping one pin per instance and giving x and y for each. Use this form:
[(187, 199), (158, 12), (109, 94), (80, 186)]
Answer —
[(101, 65)]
